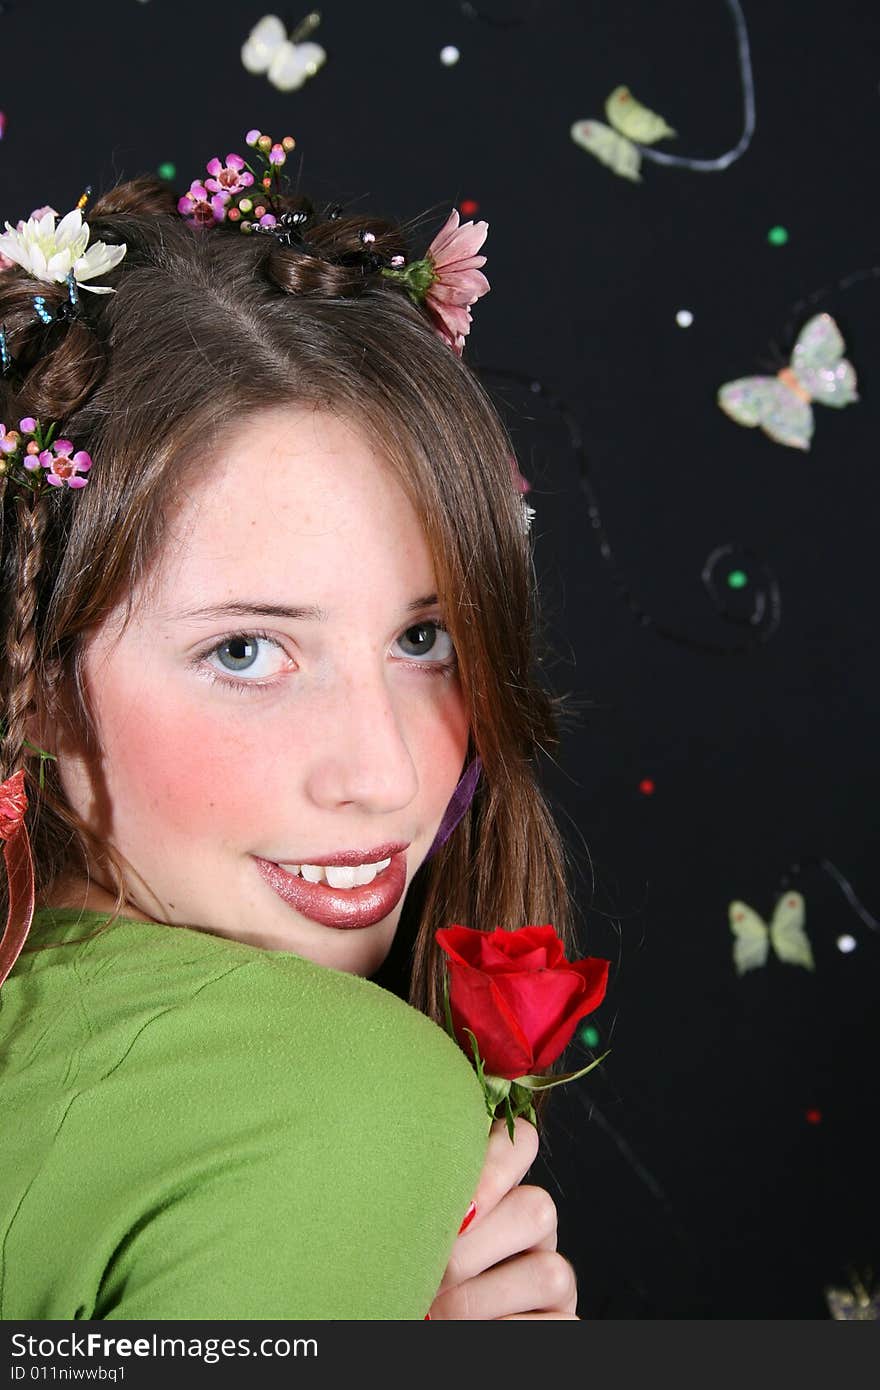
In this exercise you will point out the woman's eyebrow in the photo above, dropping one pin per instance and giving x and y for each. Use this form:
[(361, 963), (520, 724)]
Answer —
[(241, 608)]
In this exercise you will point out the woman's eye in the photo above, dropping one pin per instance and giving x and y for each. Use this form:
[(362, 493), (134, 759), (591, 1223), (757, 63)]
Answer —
[(247, 654), (423, 638), (256, 660)]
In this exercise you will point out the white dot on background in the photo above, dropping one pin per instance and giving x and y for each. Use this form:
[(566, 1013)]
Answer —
[(684, 318), (449, 55), (846, 944)]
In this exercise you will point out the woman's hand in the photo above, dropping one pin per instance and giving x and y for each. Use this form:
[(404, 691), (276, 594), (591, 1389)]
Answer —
[(505, 1265)]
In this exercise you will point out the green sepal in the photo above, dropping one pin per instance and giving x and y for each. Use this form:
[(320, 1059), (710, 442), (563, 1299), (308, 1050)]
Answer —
[(495, 1088), (416, 278), (522, 1104), (510, 1117), (448, 1011), (521, 1096), (544, 1083)]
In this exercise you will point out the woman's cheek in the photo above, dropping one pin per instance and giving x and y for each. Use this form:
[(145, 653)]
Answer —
[(194, 770)]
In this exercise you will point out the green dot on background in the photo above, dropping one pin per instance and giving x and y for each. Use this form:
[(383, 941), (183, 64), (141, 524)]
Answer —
[(777, 236), (166, 171), (737, 579), (590, 1035)]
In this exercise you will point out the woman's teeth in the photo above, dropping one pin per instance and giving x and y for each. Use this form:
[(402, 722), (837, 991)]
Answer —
[(337, 876)]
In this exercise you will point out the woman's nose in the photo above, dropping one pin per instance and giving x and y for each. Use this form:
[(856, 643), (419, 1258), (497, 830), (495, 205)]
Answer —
[(366, 757)]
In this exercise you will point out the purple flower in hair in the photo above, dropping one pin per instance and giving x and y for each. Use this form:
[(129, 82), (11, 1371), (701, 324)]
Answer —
[(230, 177), (64, 466), (199, 209)]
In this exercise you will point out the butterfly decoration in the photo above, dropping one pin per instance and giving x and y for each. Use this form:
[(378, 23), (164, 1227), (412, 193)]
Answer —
[(615, 145), (781, 405), (287, 61), (858, 1303), (753, 938)]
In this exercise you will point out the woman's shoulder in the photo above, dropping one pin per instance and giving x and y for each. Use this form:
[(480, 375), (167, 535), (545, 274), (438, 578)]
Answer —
[(167, 984), (262, 1135)]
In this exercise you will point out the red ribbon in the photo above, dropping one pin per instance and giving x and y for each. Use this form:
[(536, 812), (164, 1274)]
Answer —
[(19, 870)]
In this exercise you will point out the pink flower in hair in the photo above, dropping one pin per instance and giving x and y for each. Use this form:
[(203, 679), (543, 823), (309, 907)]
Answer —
[(5, 262), (230, 177), (201, 210), (447, 280), (8, 442), (37, 214), (65, 466), (520, 483), (458, 282)]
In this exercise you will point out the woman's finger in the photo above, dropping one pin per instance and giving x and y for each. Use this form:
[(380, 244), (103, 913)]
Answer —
[(505, 1165), (524, 1219), (538, 1282), (536, 1317)]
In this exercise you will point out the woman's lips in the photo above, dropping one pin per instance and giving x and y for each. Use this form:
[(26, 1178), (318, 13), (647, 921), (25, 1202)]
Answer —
[(344, 908)]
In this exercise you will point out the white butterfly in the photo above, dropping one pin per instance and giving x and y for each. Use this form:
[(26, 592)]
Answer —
[(286, 62), (785, 934), (781, 404)]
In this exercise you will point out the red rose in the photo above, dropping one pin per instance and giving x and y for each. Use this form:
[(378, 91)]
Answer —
[(518, 994)]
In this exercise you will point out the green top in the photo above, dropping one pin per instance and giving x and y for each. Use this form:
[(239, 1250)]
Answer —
[(197, 1128)]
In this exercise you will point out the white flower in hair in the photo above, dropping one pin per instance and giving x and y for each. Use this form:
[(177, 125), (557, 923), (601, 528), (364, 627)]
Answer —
[(50, 253)]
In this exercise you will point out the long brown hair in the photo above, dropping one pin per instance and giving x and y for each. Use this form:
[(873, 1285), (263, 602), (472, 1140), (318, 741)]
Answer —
[(204, 328)]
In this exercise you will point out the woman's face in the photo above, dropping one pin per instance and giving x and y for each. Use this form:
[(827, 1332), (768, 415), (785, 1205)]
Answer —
[(237, 735)]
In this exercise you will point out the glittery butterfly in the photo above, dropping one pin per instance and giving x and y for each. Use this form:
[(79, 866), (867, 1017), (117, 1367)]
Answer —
[(858, 1303), (632, 122), (286, 61), (785, 934), (781, 404)]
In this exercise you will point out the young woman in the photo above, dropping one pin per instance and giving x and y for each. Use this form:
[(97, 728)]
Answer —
[(248, 671)]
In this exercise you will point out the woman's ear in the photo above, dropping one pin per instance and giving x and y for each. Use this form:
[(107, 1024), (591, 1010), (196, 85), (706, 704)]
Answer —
[(50, 730)]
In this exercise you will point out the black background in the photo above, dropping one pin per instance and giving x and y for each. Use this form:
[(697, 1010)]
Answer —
[(689, 1182)]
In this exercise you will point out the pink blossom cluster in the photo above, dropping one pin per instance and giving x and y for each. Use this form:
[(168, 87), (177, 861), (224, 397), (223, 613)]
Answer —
[(64, 466)]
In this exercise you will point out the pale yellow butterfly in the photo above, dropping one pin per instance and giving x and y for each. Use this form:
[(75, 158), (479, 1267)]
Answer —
[(632, 122), (753, 938), (633, 119)]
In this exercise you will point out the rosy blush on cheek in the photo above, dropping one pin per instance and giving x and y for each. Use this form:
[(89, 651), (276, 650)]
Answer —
[(189, 773)]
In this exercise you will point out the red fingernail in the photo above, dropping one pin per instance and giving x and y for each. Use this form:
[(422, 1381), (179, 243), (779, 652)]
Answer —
[(468, 1217)]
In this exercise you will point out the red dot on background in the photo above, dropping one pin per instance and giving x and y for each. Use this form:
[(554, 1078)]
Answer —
[(814, 1117), (468, 207), (646, 787)]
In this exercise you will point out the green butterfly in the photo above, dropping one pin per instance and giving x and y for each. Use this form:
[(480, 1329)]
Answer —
[(785, 934), (631, 122)]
